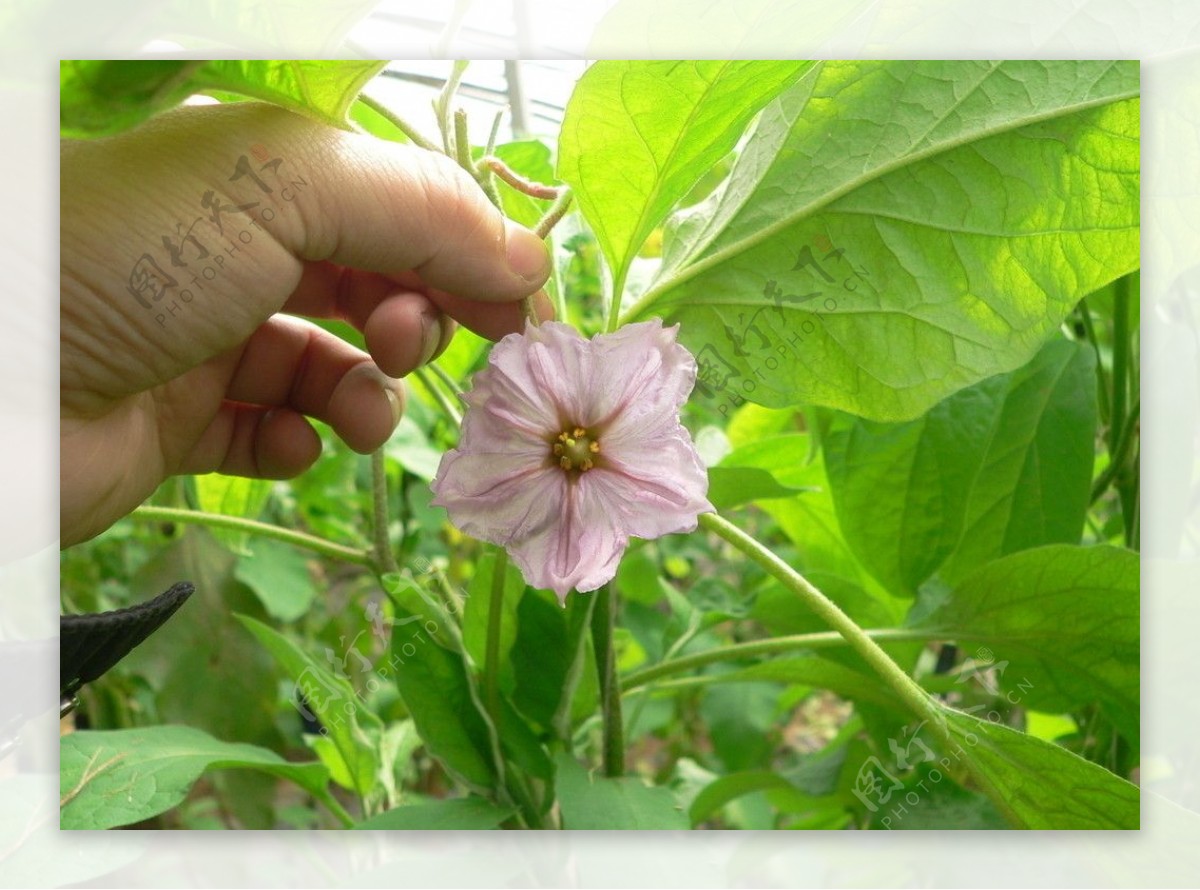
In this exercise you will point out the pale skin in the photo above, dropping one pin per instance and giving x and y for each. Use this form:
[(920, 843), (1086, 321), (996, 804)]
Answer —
[(205, 375)]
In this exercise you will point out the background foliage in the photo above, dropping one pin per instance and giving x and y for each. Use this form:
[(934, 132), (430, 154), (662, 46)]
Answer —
[(912, 289)]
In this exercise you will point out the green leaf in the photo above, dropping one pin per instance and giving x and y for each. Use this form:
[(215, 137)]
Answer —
[(99, 97), (463, 814), (637, 135), (733, 486), (895, 231), (232, 496), (1062, 624), (1000, 466), (1041, 784), (117, 777), (732, 786), (350, 725), (280, 578), (436, 690), (593, 803)]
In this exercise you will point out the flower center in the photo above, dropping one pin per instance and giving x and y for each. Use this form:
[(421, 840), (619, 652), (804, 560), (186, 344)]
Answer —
[(576, 449)]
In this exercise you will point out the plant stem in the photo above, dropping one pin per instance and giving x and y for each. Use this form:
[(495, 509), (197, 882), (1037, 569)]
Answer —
[(261, 529), (491, 657), (443, 102), (398, 122), (1120, 360), (604, 622), (579, 618), (517, 181), (426, 378), (905, 687), (556, 212), (774, 646), (1118, 459), (462, 142), (331, 803), (384, 558), (1089, 329), (614, 307)]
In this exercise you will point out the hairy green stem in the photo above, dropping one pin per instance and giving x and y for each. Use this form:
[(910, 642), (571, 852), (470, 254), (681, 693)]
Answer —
[(604, 622), (443, 102), (384, 558), (517, 181), (462, 142), (557, 211), (261, 529), (398, 122), (773, 646)]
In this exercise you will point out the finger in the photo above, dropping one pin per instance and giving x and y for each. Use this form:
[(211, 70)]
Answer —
[(387, 207), (254, 441), (291, 363), (326, 290)]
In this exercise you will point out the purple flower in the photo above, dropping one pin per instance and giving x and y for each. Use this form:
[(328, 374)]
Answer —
[(569, 446)]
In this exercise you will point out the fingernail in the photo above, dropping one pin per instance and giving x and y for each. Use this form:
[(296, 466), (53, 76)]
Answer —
[(393, 398), (431, 336), (526, 253)]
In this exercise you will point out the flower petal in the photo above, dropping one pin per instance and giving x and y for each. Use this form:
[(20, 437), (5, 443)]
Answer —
[(499, 498), (581, 550), (657, 488)]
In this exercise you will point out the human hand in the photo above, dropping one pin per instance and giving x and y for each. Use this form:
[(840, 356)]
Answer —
[(173, 357)]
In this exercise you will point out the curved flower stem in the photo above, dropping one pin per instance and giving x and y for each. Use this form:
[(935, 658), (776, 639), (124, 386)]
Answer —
[(517, 181), (491, 655), (774, 646), (905, 687), (384, 558), (398, 122), (604, 620), (261, 529)]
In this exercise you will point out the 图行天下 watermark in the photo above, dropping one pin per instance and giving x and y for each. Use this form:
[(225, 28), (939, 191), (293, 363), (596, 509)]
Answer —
[(881, 789), (756, 345), (167, 278)]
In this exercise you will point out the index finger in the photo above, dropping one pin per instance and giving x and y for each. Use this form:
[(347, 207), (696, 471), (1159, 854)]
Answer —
[(391, 208)]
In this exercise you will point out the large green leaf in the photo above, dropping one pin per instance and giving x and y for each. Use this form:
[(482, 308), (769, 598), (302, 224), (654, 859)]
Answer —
[(637, 135), (998, 467), (895, 231), (462, 814), (1040, 784), (349, 725), (596, 803), (1061, 623), (117, 777), (101, 97)]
